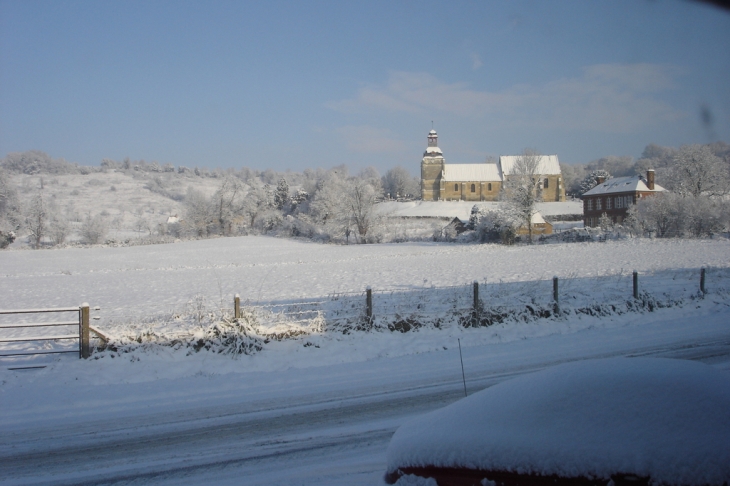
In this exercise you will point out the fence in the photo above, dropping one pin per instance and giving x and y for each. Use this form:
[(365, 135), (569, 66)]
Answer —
[(81, 322), (471, 305)]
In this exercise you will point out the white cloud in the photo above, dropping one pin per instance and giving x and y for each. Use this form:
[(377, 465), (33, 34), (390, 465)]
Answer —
[(367, 139), (614, 98), (476, 62)]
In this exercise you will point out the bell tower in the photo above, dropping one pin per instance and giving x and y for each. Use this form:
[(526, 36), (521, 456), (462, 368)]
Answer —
[(432, 165)]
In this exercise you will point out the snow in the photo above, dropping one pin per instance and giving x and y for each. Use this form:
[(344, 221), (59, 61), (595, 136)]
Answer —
[(548, 165), (471, 172), (618, 185), (462, 209), (321, 408), (667, 419)]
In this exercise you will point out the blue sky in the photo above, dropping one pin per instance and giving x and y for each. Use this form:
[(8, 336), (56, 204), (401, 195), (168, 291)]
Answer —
[(291, 85)]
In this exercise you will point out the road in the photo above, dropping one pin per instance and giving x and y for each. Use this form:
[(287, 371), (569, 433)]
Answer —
[(308, 438)]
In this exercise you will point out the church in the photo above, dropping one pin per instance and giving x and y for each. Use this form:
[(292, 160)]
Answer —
[(480, 182)]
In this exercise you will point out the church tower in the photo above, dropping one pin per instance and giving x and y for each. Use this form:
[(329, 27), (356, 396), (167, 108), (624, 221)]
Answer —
[(432, 166)]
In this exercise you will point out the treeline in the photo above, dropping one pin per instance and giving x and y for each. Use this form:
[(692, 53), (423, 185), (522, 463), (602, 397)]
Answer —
[(396, 183), (662, 159)]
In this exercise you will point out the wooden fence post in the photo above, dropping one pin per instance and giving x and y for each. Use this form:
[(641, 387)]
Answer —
[(636, 285), (237, 306), (84, 331), (556, 296), (475, 305), (369, 304), (702, 280)]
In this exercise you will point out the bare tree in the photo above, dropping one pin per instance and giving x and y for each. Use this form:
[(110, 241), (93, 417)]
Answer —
[(696, 171), (94, 229), (199, 215), (398, 182), (228, 203), (523, 188), (361, 202)]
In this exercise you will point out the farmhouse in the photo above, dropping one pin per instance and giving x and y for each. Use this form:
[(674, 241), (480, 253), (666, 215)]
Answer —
[(614, 197), (480, 182)]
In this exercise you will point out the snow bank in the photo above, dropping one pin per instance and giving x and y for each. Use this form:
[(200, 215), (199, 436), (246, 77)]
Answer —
[(667, 419)]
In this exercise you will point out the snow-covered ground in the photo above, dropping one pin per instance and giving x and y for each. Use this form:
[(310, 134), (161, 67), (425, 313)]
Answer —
[(462, 209), (321, 413)]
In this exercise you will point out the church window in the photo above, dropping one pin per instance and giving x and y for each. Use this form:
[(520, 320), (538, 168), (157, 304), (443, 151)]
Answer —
[(473, 188), (545, 183), (456, 187)]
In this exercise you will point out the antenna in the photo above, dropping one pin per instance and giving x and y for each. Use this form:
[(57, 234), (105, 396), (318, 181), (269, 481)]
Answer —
[(431, 124)]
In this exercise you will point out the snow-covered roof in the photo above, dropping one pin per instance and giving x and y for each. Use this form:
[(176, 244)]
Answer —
[(549, 164), (623, 184), (432, 151), (663, 418), (432, 132), (471, 172)]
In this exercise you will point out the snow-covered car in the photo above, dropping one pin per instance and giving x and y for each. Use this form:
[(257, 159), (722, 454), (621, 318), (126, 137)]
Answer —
[(599, 422)]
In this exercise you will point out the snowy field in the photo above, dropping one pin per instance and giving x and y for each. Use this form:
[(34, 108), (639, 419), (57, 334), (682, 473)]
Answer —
[(321, 409)]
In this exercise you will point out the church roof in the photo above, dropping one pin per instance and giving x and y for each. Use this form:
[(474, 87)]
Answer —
[(623, 184), (471, 172), (549, 164)]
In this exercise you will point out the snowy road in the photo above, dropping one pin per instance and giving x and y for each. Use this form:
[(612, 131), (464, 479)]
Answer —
[(320, 425)]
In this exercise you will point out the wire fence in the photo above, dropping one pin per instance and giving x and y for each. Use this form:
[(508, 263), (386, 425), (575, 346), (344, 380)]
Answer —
[(475, 304)]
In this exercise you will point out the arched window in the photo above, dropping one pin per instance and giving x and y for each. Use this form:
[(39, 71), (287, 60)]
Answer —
[(489, 186), (545, 184), (473, 188), (456, 187)]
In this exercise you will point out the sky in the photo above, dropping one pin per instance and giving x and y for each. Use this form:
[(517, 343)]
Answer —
[(295, 85)]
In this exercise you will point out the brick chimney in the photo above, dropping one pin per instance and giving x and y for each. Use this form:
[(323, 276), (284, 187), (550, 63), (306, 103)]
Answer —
[(650, 179), (600, 180)]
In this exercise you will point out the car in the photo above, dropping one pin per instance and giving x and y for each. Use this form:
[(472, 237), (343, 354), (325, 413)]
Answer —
[(614, 421)]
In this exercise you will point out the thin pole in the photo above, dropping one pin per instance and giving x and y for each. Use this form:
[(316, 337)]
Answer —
[(636, 285), (702, 280), (462, 367)]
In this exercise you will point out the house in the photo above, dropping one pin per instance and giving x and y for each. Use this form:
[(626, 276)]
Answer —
[(614, 197), (480, 182), (539, 227)]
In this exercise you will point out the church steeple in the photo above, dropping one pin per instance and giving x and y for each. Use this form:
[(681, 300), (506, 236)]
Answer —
[(433, 149)]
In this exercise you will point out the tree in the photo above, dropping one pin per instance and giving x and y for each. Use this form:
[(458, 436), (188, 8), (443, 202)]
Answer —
[(696, 171), (281, 196), (522, 188), (227, 203), (258, 201), (59, 228), (36, 219), (491, 226), (199, 215), (10, 218), (591, 180), (361, 202), (94, 229), (398, 182)]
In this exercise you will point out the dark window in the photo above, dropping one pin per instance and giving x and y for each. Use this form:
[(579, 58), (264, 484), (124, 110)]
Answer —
[(545, 185), (473, 188), (489, 186), (456, 187)]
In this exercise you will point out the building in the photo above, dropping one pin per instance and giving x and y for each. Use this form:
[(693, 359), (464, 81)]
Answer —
[(614, 197), (480, 182)]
